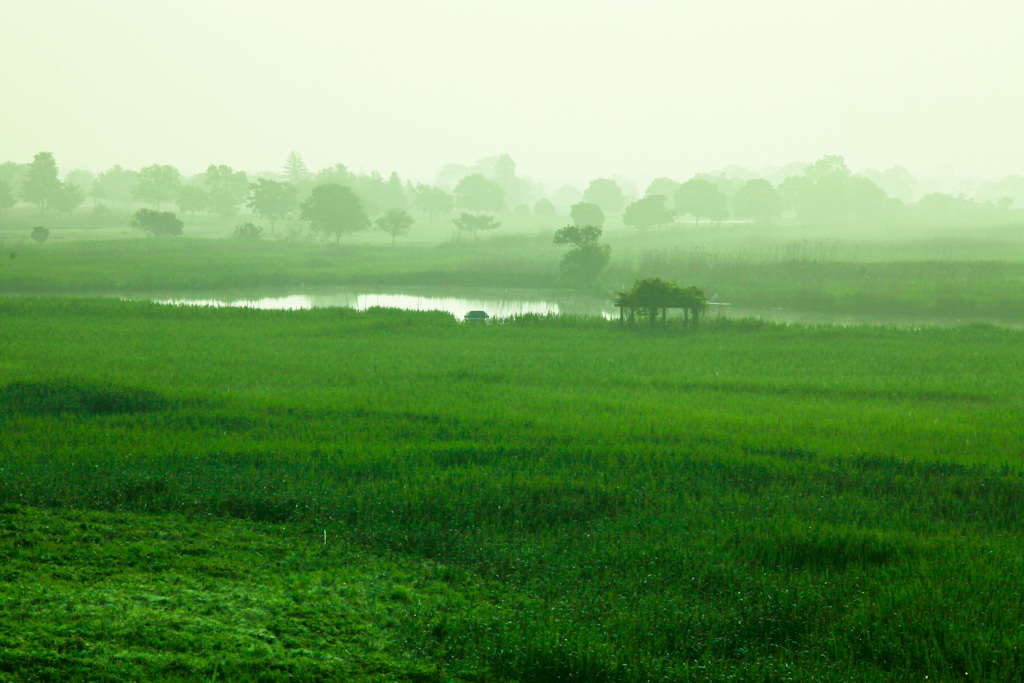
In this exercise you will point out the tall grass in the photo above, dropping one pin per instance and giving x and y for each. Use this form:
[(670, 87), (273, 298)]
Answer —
[(760, 502), (930, 278)]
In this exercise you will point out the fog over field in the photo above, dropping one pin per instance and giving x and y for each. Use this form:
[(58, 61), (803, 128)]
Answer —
[(514, 342), (571, 90)]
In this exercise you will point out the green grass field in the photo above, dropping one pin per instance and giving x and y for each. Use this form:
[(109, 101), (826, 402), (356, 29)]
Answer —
[(972, 274), (201, 494)]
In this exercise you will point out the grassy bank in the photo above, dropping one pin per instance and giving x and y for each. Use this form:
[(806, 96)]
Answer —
[(541, 500), (933, 289), (141, 265)]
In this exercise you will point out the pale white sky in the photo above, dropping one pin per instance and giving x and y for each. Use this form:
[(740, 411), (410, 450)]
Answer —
[(570, 89)]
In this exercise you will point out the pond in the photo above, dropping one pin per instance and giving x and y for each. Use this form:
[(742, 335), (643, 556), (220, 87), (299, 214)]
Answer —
[(507, 303), (499, 303)]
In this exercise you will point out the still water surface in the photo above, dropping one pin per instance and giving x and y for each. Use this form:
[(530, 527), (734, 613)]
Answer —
[(497, 303), (507, 303)]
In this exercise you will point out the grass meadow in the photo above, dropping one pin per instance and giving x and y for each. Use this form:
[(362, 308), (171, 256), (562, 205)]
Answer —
[(942, 275), (230, 494)]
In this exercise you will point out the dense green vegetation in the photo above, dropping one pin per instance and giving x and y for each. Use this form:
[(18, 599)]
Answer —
[(331, 495), (923, 276)]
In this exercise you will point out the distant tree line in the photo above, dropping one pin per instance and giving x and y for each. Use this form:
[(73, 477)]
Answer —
[(824, 192)]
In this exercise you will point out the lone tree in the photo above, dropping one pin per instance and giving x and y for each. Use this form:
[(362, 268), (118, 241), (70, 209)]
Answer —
[(647, 212), (273, 200), (157, 223), (701, 199), (41, 182), (586, 259), (396, 222), (586, 213), (474, 222), (40, 234), (653, 295), (157, 184), (334, 210)]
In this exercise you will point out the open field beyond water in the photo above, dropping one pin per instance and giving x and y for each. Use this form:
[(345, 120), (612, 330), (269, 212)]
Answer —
[(191, 494), (945, 279)]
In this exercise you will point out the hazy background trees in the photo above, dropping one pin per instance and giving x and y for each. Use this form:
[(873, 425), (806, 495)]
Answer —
[(474, 223), (41, 182), (565, 196), (606, 193), (67, 198), (758, 201), (701, 199), (82, 178), (896, 182), (395, 222), (586, 213), (1009, 191), (828, 192), (7, 198), (273, 200), (192, 198), (825, 195), (42, 186), (157, 184), (11, 175), (116, 185), (544, 208), (647, 212), (476, 192), (295, 172), (433, 200), (666, 187), (334, 210), (226, 189)]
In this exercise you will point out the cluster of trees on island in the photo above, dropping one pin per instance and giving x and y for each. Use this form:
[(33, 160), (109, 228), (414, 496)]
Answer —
[(336, 201)]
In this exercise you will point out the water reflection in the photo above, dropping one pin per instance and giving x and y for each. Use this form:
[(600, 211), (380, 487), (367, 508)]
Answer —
[(499, 305), (503, 304)]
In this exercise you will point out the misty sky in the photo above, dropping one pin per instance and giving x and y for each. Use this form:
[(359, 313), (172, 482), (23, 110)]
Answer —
[(572, 90)]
